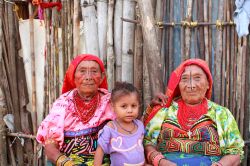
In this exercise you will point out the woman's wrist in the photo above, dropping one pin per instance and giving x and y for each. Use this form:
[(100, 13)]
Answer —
[(218, 163), (156, 159), (63, 160), (161, 160)]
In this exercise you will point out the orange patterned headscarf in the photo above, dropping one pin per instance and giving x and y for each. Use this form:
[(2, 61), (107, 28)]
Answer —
[(172, 90), (69, 84)]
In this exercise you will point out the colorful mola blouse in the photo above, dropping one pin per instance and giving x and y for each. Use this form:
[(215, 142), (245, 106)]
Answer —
[(214, 135)]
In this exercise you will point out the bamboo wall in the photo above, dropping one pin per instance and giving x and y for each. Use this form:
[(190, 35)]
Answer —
[(117, 31)]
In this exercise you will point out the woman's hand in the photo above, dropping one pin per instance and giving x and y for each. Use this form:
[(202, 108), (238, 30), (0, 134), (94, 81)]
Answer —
[(159, 99), (164, 162)]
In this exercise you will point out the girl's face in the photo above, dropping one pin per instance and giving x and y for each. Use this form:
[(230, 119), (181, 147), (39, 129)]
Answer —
[(126, 107), (88, 77)]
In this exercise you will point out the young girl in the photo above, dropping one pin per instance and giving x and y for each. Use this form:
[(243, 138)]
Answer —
[(122, 137)]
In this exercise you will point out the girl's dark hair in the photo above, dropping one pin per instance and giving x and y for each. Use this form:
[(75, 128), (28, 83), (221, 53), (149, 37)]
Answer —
[(122, 89)]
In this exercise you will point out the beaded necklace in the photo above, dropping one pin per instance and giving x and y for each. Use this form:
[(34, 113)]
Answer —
[(85, 110), (188, 115), (129, 131)]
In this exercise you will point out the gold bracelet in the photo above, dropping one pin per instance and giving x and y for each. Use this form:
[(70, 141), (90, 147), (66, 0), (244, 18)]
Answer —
[(69, 163), (60, 160)]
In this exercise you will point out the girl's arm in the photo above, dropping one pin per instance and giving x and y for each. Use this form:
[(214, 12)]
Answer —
[(98, 156)]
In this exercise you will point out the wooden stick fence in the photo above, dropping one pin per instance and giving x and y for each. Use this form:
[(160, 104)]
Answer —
[(130, 51)]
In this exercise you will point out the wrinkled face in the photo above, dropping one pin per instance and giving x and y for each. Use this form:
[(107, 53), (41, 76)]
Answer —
[(126, 107), (88, 77), (193, 85)]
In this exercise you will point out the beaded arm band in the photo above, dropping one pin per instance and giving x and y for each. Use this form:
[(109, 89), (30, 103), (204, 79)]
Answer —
[(154, 157), (149, 154), (157, 158), (63, 160)]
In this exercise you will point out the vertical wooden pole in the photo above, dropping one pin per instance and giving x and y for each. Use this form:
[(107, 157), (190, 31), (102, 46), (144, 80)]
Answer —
[(152, 52), (187, 30), (171, 37), (33, 67), (239, 79), (228, 58), (159, 17), (128, 41), (243, 85), (64, 35), (110, 50), (118, 39), (3, 111), (232, 55), (218, 56), (138, 58), (102, 17), (89, 18), (206, 49), (201, 39), (76, 28), (12, 53), (224, 51), (70, 30)]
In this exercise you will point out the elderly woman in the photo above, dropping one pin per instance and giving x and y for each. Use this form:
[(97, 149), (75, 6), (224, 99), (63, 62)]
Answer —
[(69, 132), (190, 129)]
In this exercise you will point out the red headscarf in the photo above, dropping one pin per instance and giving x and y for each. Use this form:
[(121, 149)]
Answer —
[(173, 91), (69, 84)]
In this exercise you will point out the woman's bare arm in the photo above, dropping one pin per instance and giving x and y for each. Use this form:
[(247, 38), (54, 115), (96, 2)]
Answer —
[(52, 152), (228, 160)]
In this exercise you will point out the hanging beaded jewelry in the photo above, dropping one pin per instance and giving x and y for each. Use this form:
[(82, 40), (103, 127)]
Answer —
[(129, 131), (85, 110)]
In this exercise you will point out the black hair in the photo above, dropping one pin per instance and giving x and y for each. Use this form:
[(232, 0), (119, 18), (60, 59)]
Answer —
[(122, 89)]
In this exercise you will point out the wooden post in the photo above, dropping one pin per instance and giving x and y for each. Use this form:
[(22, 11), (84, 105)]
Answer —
[(110, 50), (102, 17), (12, 72), (205, 7), (171, 38), (152, 52), (138, 59), (188, 31), (70, 29), (33, 102), (128, 41), (200, 41), (64, 36), (118, 39), (3, 149), (218, 56), (89, 18), (3, 111), (76, 28), (159, 17)]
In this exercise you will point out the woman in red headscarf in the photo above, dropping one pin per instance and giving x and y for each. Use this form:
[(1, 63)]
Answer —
[(189, 129), (69, 132)]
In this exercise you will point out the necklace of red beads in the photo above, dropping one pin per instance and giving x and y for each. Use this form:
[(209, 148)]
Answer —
[(85, 110), (188, 115)]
